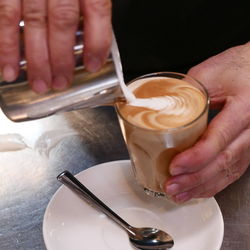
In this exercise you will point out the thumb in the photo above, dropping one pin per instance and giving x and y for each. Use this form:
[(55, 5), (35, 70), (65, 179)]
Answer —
[(210, 74), (222, 130)]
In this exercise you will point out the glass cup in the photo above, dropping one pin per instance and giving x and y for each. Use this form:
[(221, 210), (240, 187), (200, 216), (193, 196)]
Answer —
[(151, 151)]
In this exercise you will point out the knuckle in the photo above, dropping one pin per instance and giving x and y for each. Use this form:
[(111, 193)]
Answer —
[(34, 16), (228, 163), (195, 71), (100, 7), (232, 175), (226, 159), (195, 179), (200, 72), (8, 14), (65, 16), (35, 19)]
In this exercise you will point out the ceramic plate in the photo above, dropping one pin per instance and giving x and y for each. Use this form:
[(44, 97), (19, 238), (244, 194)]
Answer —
[(71, 224)]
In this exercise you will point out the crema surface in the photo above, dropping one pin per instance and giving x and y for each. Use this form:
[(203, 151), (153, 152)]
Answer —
[(178, 102)]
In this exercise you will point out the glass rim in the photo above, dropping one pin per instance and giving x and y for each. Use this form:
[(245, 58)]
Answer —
[(164, 74)]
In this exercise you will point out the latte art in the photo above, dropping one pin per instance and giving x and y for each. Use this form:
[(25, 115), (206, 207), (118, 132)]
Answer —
[(168, 103)]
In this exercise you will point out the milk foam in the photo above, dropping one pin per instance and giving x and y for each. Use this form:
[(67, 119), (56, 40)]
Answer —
[(156, 103), (129, 96), (162, 103)]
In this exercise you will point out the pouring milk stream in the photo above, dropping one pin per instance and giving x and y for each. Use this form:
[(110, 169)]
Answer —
[(155, 103)]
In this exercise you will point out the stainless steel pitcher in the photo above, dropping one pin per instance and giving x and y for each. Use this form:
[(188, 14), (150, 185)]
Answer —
[(20, 103)]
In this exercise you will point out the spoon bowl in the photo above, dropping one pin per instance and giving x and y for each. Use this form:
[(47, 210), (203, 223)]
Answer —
[(145, 238), (151, 238)]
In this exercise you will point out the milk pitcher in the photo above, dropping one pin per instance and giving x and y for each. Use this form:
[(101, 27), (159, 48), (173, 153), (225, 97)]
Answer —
[(88, 90)]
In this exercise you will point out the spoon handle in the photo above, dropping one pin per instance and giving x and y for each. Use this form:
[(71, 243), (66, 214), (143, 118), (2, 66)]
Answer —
[(77, 187)]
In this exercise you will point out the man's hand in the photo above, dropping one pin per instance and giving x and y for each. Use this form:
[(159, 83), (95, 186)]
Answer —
[(222, 155), (50, 27)]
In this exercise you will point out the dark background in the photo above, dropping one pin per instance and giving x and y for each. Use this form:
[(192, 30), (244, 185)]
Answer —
[(164, 35)]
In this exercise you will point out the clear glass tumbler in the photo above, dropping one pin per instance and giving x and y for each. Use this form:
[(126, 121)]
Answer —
[(151, 151)]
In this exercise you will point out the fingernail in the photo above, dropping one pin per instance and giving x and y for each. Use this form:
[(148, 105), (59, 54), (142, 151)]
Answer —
[(182, 197), (39, 86), (9, 74), (172, 189), (60, 82), (93, 63)]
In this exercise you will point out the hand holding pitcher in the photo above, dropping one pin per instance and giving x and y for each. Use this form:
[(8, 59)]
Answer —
[(49, 37)]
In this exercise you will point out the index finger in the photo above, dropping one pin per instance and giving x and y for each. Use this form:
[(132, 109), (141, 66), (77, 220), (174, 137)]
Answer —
[(36, 46), (63, 21), (97, 32), (10, 12), (222, 130)]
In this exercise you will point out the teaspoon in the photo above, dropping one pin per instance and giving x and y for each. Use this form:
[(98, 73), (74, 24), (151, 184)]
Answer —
[(145, 238)]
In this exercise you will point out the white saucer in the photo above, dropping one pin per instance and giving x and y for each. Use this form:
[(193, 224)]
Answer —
[(71, 224)]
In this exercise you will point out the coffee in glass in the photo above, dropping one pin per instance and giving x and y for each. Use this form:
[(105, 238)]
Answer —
[(154, 137)]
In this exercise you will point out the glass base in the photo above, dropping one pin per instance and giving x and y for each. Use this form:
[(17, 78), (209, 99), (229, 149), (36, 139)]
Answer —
[(154, 194)]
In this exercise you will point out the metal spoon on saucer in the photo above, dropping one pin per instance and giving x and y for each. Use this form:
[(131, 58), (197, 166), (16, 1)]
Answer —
[(145, 238)]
